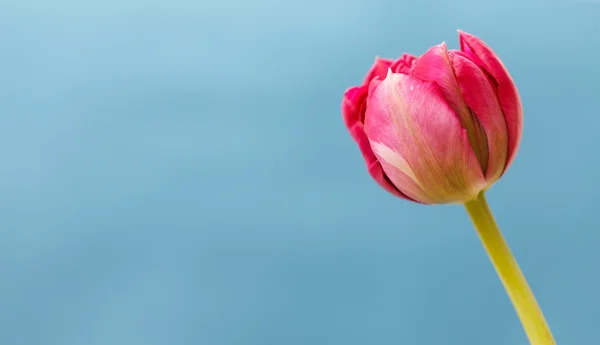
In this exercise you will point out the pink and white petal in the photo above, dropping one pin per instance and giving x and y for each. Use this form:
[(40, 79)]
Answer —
[(411, 118), (508, 94), (480, 97), (373, 165), (352, 110), (400, 173)]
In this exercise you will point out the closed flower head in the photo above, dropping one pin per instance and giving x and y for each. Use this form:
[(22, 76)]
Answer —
[(439, 128)]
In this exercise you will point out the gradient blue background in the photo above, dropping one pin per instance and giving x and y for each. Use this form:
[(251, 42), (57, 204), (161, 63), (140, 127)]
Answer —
[(177, 172)]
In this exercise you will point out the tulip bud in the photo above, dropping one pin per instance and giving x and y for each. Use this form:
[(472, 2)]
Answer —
[(439, 128)]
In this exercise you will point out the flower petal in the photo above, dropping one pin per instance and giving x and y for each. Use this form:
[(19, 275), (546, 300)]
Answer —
[(378, 70), (508, 95), (420, 143), (436, 66), (404, 64), (354, 99), (353, 109), (480, 97), (374, 166)]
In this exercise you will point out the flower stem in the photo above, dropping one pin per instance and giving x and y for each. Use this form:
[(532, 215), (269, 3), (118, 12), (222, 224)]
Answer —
[(509, 273)]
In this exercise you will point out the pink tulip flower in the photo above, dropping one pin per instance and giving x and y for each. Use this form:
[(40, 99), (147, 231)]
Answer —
[(439, 128)]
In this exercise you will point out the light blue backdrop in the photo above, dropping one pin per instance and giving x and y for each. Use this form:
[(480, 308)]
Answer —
[(177, 172)]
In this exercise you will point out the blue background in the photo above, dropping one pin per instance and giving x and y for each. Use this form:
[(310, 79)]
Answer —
[(177, 172)]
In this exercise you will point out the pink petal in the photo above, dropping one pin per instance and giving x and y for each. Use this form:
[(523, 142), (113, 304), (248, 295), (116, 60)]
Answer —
[(404, 64), (378, 70), (353, 108), (507, 92), (420, 143), (373, 85), (354, 100), (480, 97), (373, 165), (436, 66)]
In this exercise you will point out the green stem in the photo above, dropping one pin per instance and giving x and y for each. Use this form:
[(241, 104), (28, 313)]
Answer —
[(509, 273)]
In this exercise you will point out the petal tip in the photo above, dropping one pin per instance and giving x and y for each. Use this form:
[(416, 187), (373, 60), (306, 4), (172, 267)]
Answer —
[(462, 33), (443, 46), (378, 59), (389, 73)]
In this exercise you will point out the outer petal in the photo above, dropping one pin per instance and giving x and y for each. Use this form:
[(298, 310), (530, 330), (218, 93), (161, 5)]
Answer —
[(353, 110), (355, 98), (378, 70), (354, 106), (480, 97), (507, 92), (418, 139), (404, 64), (436, 66)]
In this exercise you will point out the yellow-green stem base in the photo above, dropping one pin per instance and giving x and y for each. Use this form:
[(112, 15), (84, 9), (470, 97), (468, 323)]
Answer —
[(509, 272)]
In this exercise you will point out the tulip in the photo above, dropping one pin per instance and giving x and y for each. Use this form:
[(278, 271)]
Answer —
[(443, 128), (440, 128)]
